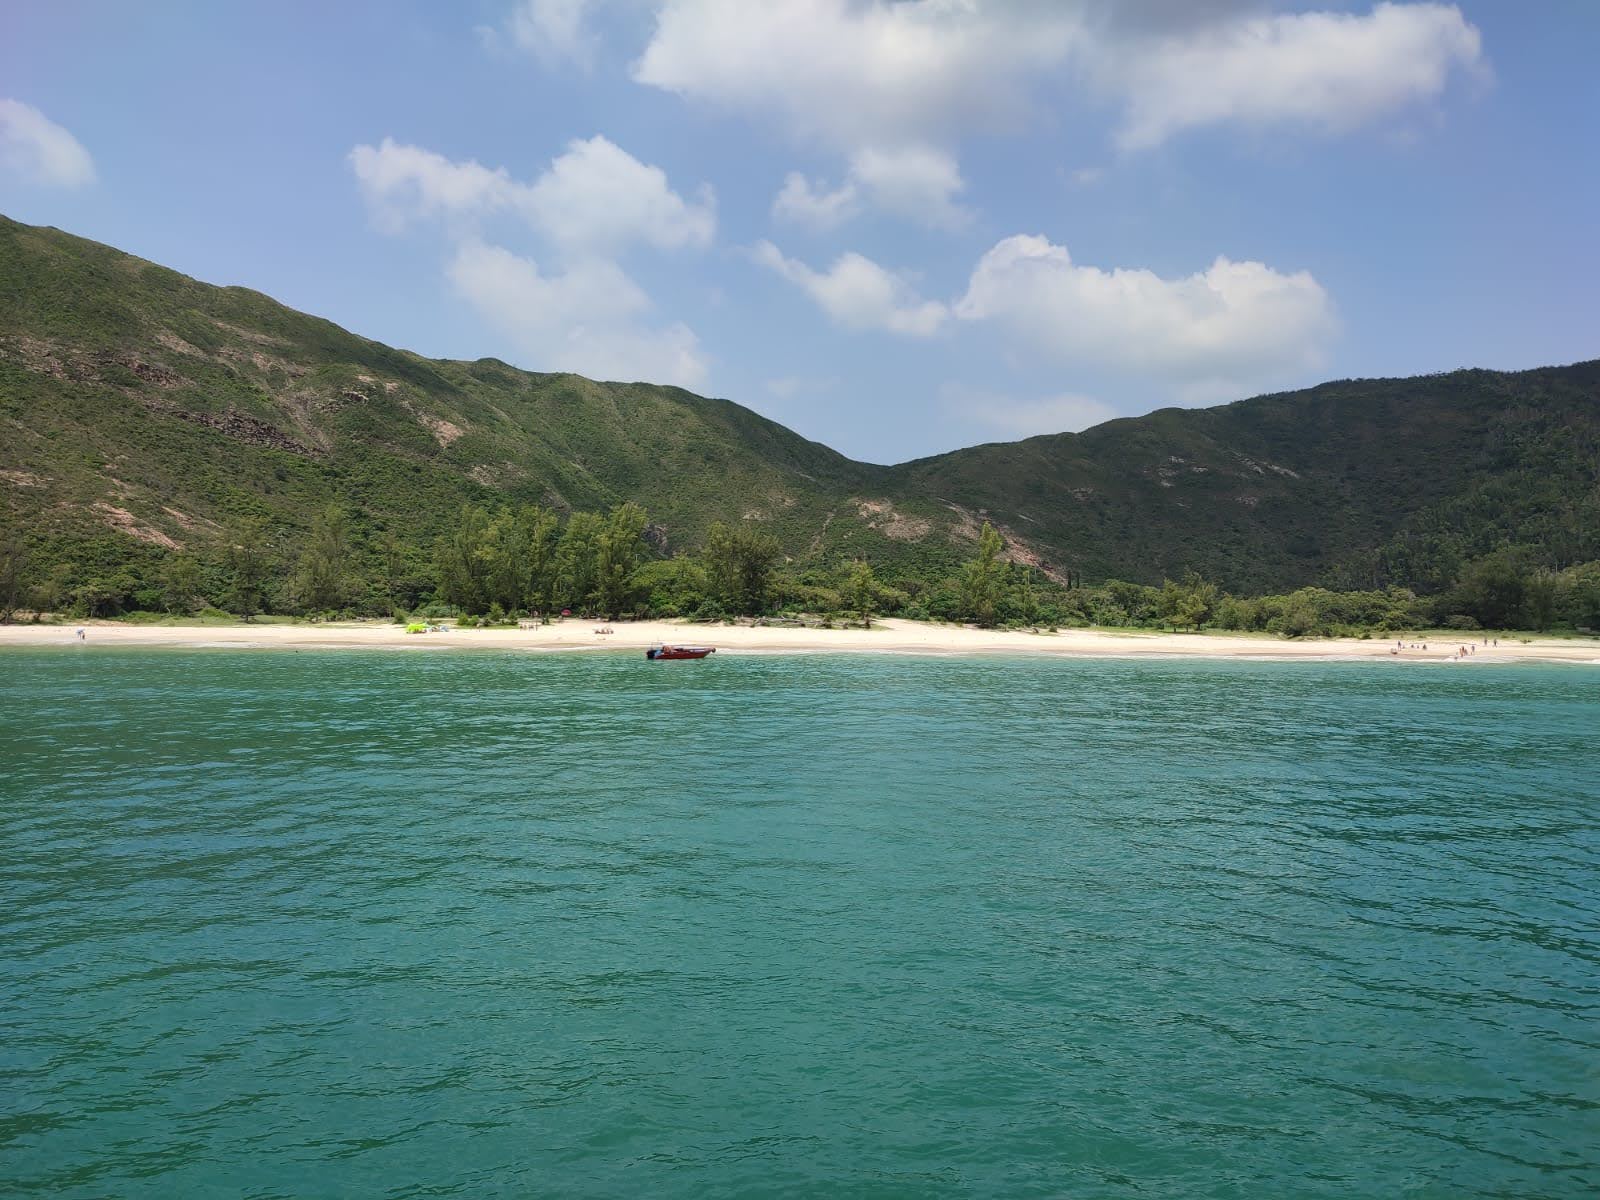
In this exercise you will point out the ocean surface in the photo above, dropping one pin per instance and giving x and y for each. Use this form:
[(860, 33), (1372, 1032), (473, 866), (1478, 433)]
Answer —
[(343, 923)]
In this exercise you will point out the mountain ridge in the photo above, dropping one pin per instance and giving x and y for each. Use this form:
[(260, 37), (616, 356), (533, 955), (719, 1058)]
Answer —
[(144, 404)]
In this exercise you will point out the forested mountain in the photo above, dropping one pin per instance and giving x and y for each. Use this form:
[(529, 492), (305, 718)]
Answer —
[(143, 411)]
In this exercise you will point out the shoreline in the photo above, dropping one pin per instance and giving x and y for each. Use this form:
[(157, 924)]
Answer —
[(887, 636)]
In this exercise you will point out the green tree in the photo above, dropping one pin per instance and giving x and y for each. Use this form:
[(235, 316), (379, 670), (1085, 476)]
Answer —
[(1492, 590), (861, 592), (52, 592), (577, 561), (619, 548), (541, 530), (739, 567), (13, 576), (248, 563), (981, 581), (1186, 605), (1540, 598), (1580, 596), (1024, 597), (180, 583), (1299, 616), (322, 579), (1199, 601), (391, 568), (461, 561), (506, 561)]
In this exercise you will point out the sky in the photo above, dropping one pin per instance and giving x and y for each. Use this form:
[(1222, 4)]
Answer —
[(896, 226)]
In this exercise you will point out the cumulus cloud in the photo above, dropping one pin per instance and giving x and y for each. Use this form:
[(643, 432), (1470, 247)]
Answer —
[(917, 183), (1011, 417), (1233, 324), (583, 319), (591, 203), (595, 196), (39, 151), (553, 31), (859, 294), (856, 73), (853, 74), (1331, 70), (802, 202), (402, 184)]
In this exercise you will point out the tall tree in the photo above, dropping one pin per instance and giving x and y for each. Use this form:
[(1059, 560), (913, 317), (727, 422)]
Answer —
[(1186, 605), (739, 566), (541, 530), (392, 562), (861, 592), (248, 563), (1025, 596), (1492, 590), (461, 561), (506, 548), (1539, 598), (981, 581), (576, 557), (180, 583), (619, 548), (13, 575), (322, 579)]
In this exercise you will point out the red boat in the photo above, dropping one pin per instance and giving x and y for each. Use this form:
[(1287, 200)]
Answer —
[(656, 653)]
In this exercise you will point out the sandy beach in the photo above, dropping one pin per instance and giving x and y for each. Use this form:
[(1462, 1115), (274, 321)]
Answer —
[(886, 636)]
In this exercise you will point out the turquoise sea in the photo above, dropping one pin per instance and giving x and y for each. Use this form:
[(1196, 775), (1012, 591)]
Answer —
[(481, 924)]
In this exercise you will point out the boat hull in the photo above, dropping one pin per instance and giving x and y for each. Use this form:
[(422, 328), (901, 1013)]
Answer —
[(665, 653)]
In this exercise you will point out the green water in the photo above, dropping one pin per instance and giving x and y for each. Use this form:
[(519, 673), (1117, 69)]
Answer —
[(458, 924)]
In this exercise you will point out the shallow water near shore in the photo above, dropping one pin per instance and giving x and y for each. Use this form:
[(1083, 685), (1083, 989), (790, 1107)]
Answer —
[(359, 923)]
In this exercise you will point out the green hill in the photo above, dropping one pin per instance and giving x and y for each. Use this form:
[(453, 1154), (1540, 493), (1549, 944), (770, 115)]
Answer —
[(1359, 483), (144, 411)]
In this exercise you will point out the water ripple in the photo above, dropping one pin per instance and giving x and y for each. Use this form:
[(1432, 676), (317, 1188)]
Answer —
[(457, 925)]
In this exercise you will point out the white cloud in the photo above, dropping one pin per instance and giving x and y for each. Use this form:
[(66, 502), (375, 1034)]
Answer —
[(592, 202), (859, 73), (553, 31), (40, 151), (1231, 325), (859, 294), (801, 202), (584, 319), (1334, 71), (594, 196), (402, 184), (1014, 418), (599, 195), (917, 183)]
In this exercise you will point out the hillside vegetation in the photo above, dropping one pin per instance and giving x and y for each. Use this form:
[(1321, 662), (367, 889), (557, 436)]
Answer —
[(147, 415)]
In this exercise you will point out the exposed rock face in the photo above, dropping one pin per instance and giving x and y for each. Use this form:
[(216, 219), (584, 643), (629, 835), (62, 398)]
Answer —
[(124, 521), (252, 431), (147, 372), (882, 516)]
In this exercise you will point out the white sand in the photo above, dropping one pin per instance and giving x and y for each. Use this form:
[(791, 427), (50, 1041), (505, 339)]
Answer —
[(887, 636)]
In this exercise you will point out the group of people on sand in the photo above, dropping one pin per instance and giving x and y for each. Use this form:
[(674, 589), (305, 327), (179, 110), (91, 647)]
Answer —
[(1465, 650)]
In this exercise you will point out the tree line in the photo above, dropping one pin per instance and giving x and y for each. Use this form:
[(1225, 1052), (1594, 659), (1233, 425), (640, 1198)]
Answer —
[(494, 564)]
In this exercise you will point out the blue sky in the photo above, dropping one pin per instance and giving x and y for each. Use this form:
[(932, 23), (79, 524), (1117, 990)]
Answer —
[(896, 227)]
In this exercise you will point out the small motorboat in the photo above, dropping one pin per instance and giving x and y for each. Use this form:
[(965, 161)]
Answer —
[(656, 653)]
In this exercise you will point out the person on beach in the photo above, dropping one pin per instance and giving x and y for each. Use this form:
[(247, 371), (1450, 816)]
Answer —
[(82, 637)]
